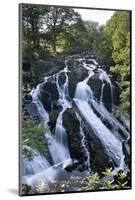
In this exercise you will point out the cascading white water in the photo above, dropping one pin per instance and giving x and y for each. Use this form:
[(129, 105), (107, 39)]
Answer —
[(112, 145), (102, 90), (38, 162), (36, 165), (59, 142), (83, 143), (87, 105), (104, 77)]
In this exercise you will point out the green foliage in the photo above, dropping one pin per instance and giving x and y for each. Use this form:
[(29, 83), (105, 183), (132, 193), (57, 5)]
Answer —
[(74, 38), (102, 48), (92, 182), (32, 18), (89, 182), (57, 21), (26, 189), (108, 185), (50, 29), (73, 184), (42, 187), (107, 171), (121, 183), (32, 138), (121, 57)]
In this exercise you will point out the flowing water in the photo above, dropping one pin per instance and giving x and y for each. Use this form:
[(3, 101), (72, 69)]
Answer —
[(112, 145), (87, 109)]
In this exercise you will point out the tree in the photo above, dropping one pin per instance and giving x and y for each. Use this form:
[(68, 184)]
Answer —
[(118, 27), (92, 33), (122, 69), (32, 18), (74, 38), (57, 20), (102, 48), (33, 137)]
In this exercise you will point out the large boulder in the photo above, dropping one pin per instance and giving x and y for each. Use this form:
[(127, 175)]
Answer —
[(53, 118), (72, 125), (110, 93), (49, 95), (77, 73), (62, 78), (98, 159), (95, 84), (32, 110), (107, 97)]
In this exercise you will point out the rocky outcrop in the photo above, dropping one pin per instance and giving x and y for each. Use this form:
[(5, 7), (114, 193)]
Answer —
[(77, 73), (49, 95), (53, 118), (72, 125), (95, 84), (30, 108), (98, 157)]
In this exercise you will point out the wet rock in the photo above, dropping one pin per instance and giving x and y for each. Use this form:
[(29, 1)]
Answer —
[(107, 97), (89, 61), (62, 78), (95, 84), (27, 98), (26, 189), (49, 95), (116, 95), (44, 68), (33, 112), (53, 118), (99, 159), (72, 125), (26, 66), (77, 73), (71, 167), (126, 150)]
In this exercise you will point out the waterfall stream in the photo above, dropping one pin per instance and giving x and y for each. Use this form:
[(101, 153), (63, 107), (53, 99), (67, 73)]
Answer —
[(112, 145), (87, 107)]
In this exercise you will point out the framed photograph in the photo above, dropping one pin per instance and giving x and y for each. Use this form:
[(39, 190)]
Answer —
[(75, 99)]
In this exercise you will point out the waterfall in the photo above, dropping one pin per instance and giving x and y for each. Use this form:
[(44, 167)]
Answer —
[(102, 90), (83, 98), (105, 78), (83, 143), (36, 165), (59, 141), (88, 109)]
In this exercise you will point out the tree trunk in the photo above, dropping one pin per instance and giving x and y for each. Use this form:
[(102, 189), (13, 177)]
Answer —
[(54, 43)]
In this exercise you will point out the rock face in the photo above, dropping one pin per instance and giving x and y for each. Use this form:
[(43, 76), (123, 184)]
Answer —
[(99, 160), (95, 84), (107, 98), (53, 117), (49, 95), (72, 125), (30, 109), (62, 78), (77, 73)]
